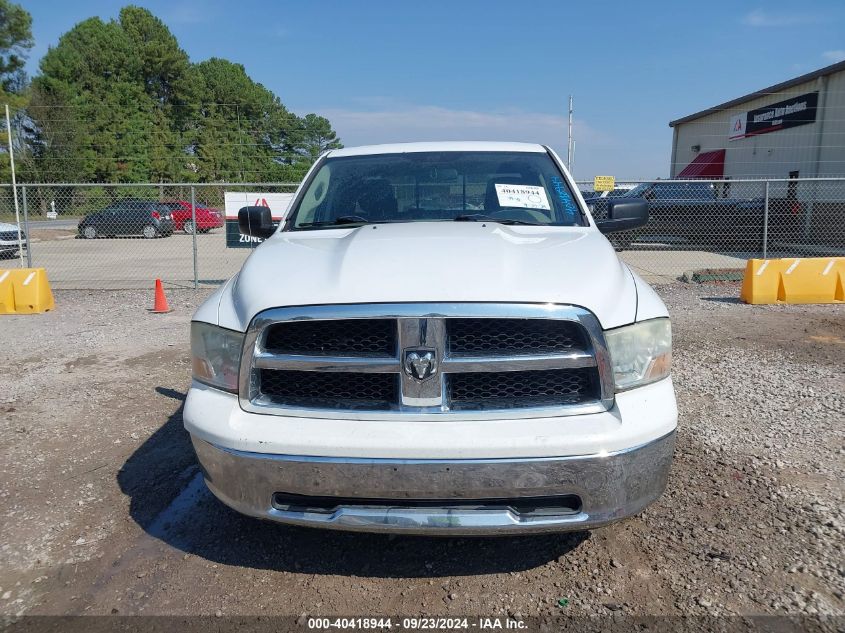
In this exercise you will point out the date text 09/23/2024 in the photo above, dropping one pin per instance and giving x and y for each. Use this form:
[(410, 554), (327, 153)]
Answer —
[(415, 623)]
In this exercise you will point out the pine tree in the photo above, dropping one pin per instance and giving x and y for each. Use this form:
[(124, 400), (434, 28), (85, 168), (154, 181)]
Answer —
[(120, 101)]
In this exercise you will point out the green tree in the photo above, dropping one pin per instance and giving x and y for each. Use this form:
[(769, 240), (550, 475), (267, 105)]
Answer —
[(92, 78), (120, 101), (165, 69), (173, 84), (307, 138), (15, 42), (121, 93), (240, 124), (317, 136), (52, 145)]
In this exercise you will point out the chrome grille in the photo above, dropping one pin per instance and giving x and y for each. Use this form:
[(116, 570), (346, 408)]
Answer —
[(328, 390), (460, 360), (529, 388), (513, 336), (352, 337)]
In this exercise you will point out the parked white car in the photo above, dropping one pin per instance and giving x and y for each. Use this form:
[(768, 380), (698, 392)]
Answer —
[(439, 340), (9, 242)]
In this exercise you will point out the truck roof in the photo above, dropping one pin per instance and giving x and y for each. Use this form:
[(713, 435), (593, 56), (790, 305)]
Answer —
[(441, 146)]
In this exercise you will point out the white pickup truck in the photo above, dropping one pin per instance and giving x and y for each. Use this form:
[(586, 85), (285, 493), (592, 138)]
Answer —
[(437, 339)]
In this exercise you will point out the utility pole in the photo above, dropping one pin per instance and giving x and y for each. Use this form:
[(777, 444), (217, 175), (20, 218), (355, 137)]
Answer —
[(569, 143), (572, 164), (14, 184)]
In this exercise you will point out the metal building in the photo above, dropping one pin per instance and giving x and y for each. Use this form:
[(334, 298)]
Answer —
[(795, 129)]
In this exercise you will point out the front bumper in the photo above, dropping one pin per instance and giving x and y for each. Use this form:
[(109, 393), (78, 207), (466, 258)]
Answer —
[(440, 496), (12, 247), (165, 227)]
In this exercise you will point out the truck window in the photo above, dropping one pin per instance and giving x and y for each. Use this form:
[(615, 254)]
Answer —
[(683, 191), (520, 187)]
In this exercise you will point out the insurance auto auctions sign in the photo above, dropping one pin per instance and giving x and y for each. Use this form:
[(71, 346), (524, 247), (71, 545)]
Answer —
[(793, 112), (235, 200)]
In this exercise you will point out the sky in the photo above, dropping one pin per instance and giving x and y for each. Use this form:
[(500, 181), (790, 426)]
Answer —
[(388, 71)]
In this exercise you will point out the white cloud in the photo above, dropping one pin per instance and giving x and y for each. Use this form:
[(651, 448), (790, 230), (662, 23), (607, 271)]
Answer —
[(834, 56), (596, 150), (760, 18), (435, 123), (188, 13)]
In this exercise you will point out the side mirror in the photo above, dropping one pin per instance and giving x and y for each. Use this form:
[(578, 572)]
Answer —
[(256, 221), (624, 215)]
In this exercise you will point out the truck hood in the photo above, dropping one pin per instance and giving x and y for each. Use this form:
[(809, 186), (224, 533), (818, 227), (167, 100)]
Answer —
[(433, 262)]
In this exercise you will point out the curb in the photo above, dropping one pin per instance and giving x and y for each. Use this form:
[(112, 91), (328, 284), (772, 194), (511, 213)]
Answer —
[(708, 275)]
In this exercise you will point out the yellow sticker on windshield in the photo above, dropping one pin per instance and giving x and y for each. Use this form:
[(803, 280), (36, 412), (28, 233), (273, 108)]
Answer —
[(522, 196)]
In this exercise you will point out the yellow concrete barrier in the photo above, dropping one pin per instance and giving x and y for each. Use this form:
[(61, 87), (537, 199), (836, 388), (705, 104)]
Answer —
[(25, 291), (794, 280)]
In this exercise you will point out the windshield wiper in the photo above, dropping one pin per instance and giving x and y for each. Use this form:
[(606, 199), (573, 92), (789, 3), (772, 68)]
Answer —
[(359, 219), (343, 219), (480, 217)]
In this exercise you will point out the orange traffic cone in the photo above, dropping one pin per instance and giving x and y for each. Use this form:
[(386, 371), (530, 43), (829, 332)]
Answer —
[(160, 306)]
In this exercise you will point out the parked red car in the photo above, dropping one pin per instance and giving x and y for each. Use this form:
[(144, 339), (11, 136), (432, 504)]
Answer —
[(207, 218)]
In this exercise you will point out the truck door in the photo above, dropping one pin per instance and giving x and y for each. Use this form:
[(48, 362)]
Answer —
[(665, 210)]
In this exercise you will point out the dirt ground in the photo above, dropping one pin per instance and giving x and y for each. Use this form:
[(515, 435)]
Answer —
[(103, 509)]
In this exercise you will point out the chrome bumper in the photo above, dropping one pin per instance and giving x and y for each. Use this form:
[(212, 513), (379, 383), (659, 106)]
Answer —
[(439, 496)]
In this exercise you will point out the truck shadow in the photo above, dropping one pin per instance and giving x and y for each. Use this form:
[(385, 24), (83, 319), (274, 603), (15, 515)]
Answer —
[(170, 501)]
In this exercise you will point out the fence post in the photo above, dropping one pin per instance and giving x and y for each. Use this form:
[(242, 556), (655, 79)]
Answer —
[(194, 234), (766, 222), (26, 228)]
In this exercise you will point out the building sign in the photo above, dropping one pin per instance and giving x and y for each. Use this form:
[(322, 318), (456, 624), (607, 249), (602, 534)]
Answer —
[(235, 200), (793, 112), (737, 126), (604, 183)]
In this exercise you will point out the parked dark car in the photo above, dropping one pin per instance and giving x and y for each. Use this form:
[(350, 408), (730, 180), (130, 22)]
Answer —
[(618, 192), (146, 218), (696, 214)]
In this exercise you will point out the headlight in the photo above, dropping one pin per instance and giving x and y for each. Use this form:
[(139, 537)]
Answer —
[(641, 353), (216, 355)]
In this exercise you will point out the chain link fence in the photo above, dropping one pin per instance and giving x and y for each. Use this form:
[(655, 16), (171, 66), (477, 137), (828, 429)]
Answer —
[(124, 236), (697, 225)]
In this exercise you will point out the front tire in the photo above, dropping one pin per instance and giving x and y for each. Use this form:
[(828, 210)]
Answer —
[(89, 232), (149, 232), (188, 227)]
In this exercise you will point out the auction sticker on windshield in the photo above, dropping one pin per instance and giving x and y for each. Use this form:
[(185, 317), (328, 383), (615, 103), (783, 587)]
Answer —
[(524, 196)]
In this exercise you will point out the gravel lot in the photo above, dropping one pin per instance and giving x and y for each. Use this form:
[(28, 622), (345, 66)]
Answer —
[(104, 510)]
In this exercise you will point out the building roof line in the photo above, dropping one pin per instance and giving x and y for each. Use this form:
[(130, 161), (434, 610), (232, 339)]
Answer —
[(821, 72)]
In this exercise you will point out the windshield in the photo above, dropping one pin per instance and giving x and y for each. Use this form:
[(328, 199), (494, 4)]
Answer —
[(638, 191), (507, 187)]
